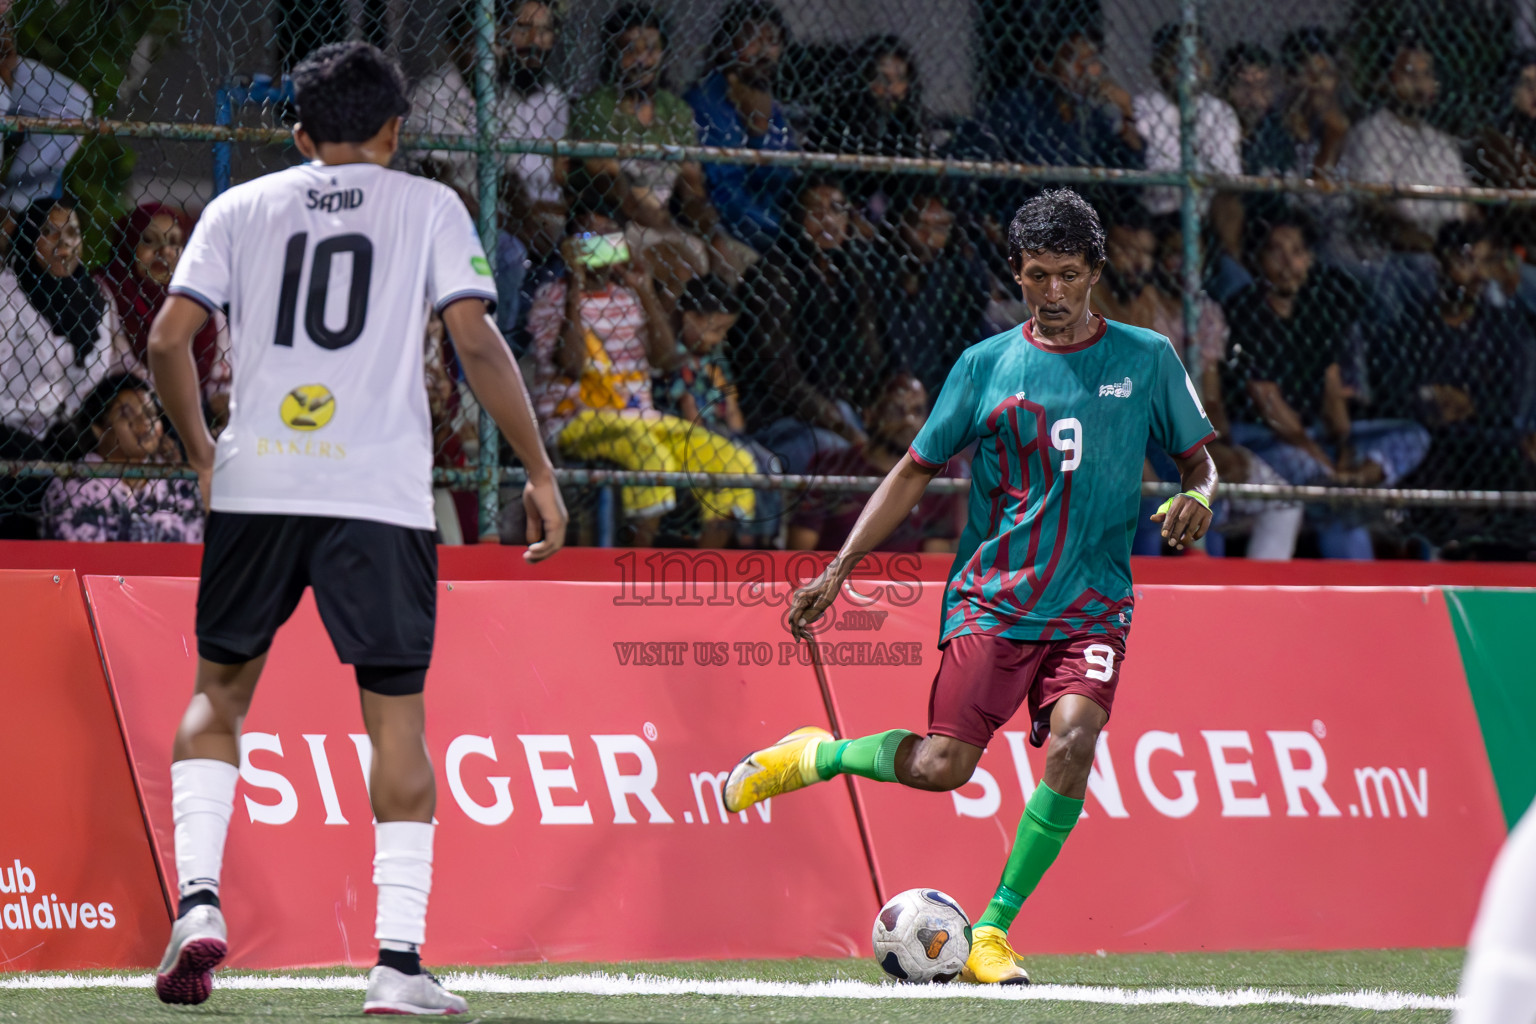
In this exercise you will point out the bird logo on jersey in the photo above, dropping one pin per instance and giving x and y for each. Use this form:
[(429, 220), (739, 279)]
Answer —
[(308, 407), (1120, 390)]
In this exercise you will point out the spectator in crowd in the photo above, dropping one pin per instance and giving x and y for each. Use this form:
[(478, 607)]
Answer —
[(882, 115), (735, 106), (808, 351), (1069, 111), (824, 519), (54, 343), (1140, 285), (1218, 134), (149, 245), (457, 510), (934, 288), (35, 162), (701, 390), (1398, 146), (1208, 348), (1249, 84), (598, 333), (1466, 368), (1315, 113), (1503, 155), (699, 387), (528, 106), (633, 106), (1295, 331), (118, 421), (1271, 527), (885, 113), (1511, 281), (671, 255), (1125, 291)]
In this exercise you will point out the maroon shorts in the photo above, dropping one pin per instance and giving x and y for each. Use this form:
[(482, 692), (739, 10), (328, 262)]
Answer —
[(982, 680)]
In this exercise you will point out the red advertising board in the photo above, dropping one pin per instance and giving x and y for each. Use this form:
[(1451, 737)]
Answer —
[(645, 569), (579, 738), (68, 796), (1285, 768)]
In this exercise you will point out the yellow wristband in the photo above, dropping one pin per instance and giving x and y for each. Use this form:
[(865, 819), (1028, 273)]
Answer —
[(1165, 506)]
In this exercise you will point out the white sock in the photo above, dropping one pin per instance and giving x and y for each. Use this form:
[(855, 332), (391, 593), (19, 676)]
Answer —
[(402, 869), (1498, 984), (202, 799)]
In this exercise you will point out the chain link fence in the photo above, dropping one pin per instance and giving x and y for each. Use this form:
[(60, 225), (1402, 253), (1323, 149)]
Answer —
[(738, 245)]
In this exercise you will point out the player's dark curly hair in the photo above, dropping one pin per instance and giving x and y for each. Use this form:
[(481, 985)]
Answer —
[(1056, 221), (345, 92)]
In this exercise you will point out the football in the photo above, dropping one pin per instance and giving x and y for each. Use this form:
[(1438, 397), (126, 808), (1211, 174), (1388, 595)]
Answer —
[(921, 936)]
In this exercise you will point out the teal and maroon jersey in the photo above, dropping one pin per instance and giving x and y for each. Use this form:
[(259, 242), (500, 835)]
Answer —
[(1056, 480)]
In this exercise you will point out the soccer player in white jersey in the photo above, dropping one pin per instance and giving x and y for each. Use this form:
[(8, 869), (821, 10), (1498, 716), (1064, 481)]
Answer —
[(1498, 984), (323, 479)]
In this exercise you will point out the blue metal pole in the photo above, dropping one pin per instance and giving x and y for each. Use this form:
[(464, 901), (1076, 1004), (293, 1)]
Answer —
[(488, 165), (223, 114), (1189, 207)]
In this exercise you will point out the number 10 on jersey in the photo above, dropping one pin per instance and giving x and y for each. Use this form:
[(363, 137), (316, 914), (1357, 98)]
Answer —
[(361, 250)]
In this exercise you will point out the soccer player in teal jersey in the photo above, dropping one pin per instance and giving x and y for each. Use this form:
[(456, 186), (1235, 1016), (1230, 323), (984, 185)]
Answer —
[(1038, 602)]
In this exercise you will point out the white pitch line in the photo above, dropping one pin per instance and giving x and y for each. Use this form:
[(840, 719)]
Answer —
[(602, 984)]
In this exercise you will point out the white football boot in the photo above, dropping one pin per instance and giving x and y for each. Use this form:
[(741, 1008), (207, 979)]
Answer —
[(199, 943), (390, 991)]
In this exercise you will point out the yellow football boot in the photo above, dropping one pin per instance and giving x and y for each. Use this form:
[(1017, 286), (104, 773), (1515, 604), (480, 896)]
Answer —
[(992, 960), (786, 766)]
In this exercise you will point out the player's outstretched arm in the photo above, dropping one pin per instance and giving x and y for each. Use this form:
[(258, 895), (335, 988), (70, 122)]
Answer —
[(891, 503), (175, 373), (498, 384), (1187, 520)]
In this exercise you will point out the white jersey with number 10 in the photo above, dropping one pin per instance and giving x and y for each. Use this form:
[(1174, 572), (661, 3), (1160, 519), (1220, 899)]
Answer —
[(327, 274)]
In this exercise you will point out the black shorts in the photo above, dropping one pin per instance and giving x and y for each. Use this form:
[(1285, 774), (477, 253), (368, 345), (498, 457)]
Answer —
[(375, 586)]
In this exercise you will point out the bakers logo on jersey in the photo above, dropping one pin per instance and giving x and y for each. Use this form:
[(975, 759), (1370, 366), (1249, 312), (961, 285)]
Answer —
[(308, 407), (1120, 390)]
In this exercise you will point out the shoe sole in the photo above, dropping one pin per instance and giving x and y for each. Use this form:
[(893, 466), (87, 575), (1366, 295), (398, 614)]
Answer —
[(407, 1010), (190, 981)]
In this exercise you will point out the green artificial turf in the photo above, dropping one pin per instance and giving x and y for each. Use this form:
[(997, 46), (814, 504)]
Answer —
[(1432, 972)]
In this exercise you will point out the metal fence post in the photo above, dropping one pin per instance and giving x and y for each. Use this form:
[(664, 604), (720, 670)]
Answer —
[(223, 114), (487, 165), (1189, 207)]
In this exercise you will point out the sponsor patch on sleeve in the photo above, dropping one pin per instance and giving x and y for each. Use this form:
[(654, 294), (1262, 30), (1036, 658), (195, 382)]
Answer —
[(481, 265)]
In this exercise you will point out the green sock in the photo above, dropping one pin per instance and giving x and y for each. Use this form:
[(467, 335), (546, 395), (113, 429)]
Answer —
[(1048, 818), (873, 757)]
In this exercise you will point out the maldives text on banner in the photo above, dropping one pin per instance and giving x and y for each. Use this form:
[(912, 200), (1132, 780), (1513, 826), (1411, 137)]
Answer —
[(78, 887)]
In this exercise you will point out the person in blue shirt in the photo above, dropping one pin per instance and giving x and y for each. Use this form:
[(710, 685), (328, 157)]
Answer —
[(734, 107), (1070, 112)]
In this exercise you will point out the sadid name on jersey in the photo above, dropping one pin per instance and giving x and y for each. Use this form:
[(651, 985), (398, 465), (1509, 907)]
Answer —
[(334, 202), (45, 911)]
